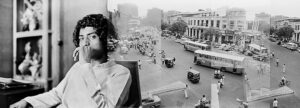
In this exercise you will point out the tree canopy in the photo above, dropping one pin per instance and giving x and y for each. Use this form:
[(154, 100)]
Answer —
[(178, 27), (211, 32), (164, 26), (285, 32)]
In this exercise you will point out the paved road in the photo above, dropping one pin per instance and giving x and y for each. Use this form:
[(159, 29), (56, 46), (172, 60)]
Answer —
[(156, 75), (292, 61), (184, 59)]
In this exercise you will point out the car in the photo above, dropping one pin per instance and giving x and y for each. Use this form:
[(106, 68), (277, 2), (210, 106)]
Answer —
[(248, 53), (272, 39), (193, 76), (291, 46), (298, 49), (124, 49), (260, 57), (152, 101), (169, 62)]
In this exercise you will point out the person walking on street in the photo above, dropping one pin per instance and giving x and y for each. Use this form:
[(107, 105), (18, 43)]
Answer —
[(162, 61), (283, 69), (139, 64), (174, 59), (277, 62), (275, 103)]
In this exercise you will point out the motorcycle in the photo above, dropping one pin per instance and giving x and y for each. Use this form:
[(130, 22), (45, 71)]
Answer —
[(218, 76), (203, 105), (286, 83), (242, 103)]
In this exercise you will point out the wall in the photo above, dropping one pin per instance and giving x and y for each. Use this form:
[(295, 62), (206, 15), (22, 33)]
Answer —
[(71, 12), (6, 38)]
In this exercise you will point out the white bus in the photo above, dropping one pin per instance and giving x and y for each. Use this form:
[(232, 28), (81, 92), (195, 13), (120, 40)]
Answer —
[(257, 49), (193, 46), (224, 62)]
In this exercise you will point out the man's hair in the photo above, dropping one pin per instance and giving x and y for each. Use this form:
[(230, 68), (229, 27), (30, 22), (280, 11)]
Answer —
[(104, 29)]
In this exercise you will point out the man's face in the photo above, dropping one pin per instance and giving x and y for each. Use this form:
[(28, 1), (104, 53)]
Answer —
[(88, 37)]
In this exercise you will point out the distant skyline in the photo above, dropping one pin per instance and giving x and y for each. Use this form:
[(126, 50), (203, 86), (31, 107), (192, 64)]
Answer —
[(288, 8)]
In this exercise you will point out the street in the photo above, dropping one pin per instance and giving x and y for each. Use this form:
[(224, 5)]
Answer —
[(153, 76), (156, 75), (292, 61)]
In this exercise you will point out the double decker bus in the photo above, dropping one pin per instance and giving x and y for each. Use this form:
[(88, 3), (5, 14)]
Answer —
[(222, 61), (193, 46)]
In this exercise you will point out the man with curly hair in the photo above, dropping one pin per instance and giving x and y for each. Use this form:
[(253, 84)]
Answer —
[(94, 81)]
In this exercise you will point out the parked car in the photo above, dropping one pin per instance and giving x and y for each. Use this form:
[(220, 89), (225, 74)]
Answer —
[(298, 49), (151, 101), (182, 40), (291, 46), (272, 39), (279, 43)]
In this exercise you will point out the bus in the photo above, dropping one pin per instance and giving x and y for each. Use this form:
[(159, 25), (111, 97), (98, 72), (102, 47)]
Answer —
[(193, 46), (222, 61), (256, 49)]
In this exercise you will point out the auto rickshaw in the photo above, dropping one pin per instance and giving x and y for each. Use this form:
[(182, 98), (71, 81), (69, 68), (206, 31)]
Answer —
[(193, 76), (169, 62)]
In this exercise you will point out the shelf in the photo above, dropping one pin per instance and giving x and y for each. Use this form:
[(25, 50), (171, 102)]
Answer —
[(31, 33)]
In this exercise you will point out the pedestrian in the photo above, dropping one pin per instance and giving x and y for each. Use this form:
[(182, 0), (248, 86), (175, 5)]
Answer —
[(258, 70), (222, 80), (185, 91), (218, 86), (139, 64), (283, 69), (275, 103), (154, 59), (174, 59), (277, 62)]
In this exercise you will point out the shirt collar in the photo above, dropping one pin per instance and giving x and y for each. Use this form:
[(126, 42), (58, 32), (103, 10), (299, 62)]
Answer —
[(106, 64)]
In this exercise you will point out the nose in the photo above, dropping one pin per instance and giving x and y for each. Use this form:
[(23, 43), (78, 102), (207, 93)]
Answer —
[(86, 42)]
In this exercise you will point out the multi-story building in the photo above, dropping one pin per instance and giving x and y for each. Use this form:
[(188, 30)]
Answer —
[(292, 22), (261, 19), (228, 21), (166, 16), (154, 17)]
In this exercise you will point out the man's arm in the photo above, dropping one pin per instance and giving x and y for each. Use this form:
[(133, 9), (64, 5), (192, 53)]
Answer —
[(53, 97)]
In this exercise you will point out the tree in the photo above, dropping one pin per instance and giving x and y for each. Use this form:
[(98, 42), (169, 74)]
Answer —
[(211, 31), (164, 26), (272, 30), (285, 32), (178, 27)]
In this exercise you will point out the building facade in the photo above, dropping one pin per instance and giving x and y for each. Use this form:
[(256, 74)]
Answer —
[(292, 22), (227, 21), (261, 20)]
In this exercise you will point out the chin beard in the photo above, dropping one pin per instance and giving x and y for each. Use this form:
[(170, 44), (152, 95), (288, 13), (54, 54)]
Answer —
[(97, 54)]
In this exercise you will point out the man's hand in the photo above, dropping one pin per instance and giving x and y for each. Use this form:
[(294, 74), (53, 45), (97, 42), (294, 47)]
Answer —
[(20, 104), (83, 54)]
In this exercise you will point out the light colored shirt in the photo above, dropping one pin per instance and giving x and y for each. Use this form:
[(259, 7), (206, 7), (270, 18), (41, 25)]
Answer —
[(82, 82), (203, 99), (275, 103)]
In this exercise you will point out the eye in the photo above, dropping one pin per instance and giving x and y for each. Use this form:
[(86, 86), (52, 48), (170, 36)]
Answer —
[(94, 36), (80, 38)]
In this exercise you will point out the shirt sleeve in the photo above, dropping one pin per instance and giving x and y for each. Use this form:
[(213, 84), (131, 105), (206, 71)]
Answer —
[(53, 97)]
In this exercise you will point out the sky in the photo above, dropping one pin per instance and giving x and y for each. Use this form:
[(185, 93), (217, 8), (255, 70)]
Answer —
[(290, 8)]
